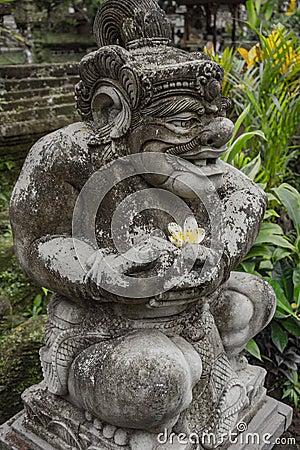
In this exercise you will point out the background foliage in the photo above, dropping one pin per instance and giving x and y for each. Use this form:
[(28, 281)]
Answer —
[(263, 83)]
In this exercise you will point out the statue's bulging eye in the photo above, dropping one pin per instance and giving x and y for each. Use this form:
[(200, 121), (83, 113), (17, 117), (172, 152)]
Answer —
[(183, 122)]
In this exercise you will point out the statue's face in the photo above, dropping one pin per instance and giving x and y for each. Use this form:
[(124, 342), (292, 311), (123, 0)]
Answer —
[(183, 127)]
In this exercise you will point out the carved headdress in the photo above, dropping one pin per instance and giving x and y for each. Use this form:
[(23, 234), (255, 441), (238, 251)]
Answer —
[(136, 54)]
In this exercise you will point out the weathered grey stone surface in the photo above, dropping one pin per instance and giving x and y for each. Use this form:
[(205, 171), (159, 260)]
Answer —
[(35, 100), (136, 225), (268, 424)]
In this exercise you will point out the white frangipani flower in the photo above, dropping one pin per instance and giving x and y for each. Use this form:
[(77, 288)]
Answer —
[(190, 233)]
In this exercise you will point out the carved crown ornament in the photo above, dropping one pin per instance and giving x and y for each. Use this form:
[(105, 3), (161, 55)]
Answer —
[(137, 57)]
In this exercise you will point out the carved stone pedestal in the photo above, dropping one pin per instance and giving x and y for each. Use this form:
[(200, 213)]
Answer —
[(52, 423)]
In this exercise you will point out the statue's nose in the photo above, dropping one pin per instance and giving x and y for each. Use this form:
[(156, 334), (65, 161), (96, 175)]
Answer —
[(217, 132)]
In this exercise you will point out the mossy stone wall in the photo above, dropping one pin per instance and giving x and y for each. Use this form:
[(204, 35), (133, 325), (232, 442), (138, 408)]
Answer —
[(19, 363)]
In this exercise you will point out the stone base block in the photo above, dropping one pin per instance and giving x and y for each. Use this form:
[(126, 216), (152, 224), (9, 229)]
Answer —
[(69, 428), (271, 420)]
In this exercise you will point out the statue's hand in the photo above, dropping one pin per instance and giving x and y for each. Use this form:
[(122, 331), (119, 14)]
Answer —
[(207, 270), (105, 268), (206, 257)]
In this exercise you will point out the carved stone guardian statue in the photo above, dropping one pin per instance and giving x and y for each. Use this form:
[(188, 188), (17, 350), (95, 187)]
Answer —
[(135, 223)]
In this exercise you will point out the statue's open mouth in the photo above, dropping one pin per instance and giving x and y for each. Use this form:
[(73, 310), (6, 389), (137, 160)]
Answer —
[(205, 153), (204, 157), (207, 159), (195, 151), (204, 162), (191, 156)]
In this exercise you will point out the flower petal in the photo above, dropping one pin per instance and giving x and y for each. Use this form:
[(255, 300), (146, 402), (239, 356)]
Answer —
[(190, 224), (190, 229), (174, 228), (177, 242), (200, 235)]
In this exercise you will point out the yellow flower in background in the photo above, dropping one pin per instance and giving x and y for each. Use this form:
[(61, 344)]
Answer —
[(291, 8), (250, 56), (283, 54), (274, 39), (276, 49), (189, 234)]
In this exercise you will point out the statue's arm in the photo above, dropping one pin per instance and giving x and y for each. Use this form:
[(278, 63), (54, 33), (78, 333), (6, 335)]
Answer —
[(240, 213), (42, 230), (244, 207), (41, 214), (42, 208)]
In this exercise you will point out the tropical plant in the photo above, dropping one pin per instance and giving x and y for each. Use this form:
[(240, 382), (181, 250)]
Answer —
[(275, 256), (272, 245), (269, 84), (260, 12), (292, 388), (38, 303)]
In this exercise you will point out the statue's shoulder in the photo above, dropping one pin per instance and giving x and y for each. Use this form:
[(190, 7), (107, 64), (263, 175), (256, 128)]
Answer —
[(236, 182), (61, 146), (54, 158)]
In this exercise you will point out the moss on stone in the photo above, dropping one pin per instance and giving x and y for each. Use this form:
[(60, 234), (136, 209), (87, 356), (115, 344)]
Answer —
[(19, 363)]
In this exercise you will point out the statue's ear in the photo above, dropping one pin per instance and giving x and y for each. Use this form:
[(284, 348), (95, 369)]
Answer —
[(111, 111)]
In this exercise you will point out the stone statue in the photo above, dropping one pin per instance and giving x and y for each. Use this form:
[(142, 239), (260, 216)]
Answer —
[(123, 366)]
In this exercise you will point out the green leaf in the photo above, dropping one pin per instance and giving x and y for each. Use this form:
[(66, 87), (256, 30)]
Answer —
[(45, 290), (248, 266), (286, 393), (272, 228), (290, 198), (37, 300), (251, 12), (239, 122), (265, 238), (253, 349), (295, 376), (279, 337), (258, 6), (239, 144), (252, 168), (271, 233), (280, 253), (279, 314), (262, 185), (266, 265), (265, 251), (296, 281), (271, 197), (269, 12), (36, 310), (283, 273), (276, 102), (270, 213), (295, 398), (282, 301), (292, 326)]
